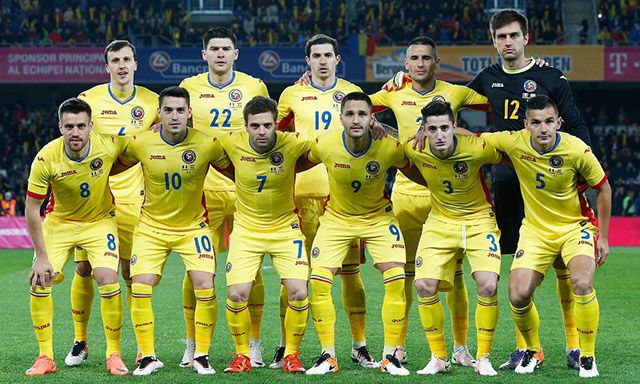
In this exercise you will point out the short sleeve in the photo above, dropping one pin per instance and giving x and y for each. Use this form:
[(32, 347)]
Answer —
[(218, 157), (588, 166), (38, 178)]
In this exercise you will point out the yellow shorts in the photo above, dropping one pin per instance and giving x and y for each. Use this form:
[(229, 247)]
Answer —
[(382, 237), (98, 239), (310, 209), (221, 206), (127, 217), (411, 212), (538, 250), (248, 247), (151, 250), (445, 243)]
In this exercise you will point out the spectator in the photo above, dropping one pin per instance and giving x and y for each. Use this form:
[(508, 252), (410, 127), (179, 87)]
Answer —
[(630, 203), (583, 31), (8, 205)]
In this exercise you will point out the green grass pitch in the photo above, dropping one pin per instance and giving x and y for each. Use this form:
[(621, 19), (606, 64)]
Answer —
[(618, 336)]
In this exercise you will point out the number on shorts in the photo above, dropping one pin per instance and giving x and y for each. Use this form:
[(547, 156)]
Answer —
[(202, 243), (356, 184), (492, 239), (111, 242), (263, 179), (540, 183), (299, 243), (84, 190), (585, 234), (449, 186), (121, 131), (394, 231), (175, 182)]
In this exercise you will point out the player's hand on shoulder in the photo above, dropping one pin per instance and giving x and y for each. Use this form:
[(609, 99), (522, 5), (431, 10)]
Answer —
[(42, 273), (155, 127), (397, 82), (541, 62), (419, 140), (305, 79), (378, 131)]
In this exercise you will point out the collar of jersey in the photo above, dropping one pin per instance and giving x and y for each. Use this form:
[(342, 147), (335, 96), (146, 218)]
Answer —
[(80, 159), (520, 70), (422, 93), (455, 146), (173, 144), (344, 142), (324, 89), (122, 102), (233, 77), (275, 142), (551, 149)]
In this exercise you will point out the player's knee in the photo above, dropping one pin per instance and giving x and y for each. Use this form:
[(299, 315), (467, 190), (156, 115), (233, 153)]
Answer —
[(518, 296), (83, 268), (297, 294), (105, 276), (238, 295), (487, 288), (426, 287), (582, 285)]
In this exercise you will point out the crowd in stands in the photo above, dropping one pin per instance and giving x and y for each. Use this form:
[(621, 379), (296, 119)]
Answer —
[(619, 22), (260, 22)]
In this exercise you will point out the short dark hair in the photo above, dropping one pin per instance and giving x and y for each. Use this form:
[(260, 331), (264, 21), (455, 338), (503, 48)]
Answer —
[(508, 16), (75, 106), (174, 91), (423, 40), (117, 45), (321, 39), (260, 104), (541, 102), (437, 108), (219, 33), (356, 96)]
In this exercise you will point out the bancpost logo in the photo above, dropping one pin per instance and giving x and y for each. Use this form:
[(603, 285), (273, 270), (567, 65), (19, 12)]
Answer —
[(269, 61), (169, 67), (159, 61), (388, 65)]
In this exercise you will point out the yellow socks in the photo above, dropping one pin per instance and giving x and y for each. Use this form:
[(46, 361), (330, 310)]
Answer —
[(587, 314), (239, 321), (142, 317), (486, 321), (127, 295), (410, 274), (394, 306), (205, 319), (354, 301), (323, 310), (81, 300), (567, 305), (458, 303), (284, 304), (189, 306), (295, 323), (41, 304), (432, 318), (111, 310), (256, 306), (528, 322)]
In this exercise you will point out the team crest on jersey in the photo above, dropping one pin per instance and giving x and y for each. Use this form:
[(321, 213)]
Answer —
[(137, 113), (228, 267), (276, 158), (439, 98), (373, 167), (338, 96), (520, 253), (419, 262), (460, 167), (133, 260), (96, 164), (189, 156), (530, 86), (235, 95), (556, 161), (315, 252)]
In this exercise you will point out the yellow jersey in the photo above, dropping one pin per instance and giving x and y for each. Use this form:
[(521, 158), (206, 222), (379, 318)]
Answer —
[(79, 188), (549, 181), (356, 182), (218, 109), (459, 194), (314, 111), (174, 175), (264, 182), (406, 105), (116, 114)]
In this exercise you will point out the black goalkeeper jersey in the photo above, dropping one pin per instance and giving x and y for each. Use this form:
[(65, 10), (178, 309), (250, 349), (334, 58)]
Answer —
[(508, 93)]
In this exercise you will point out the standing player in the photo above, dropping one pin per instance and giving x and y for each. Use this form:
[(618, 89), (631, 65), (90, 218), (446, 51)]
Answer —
[(461, 222), (411, 202), (174, 162), (558, 221), (75, 167), (508, 85), (314, 108), (217, 99), (119, 108), (266, 222), (357, 209)]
